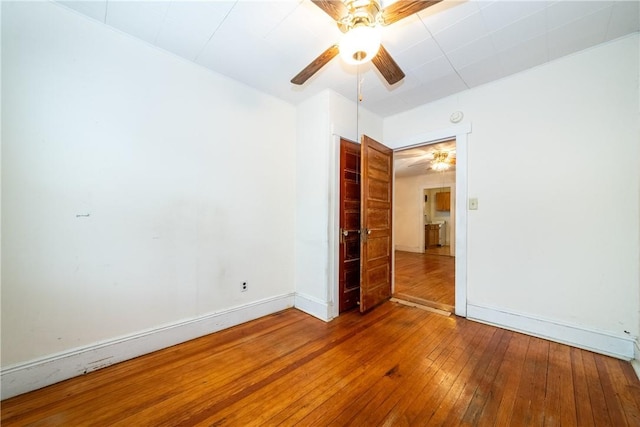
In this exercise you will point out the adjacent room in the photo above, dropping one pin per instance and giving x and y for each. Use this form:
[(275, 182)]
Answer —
[(424, 213), (183, 236)]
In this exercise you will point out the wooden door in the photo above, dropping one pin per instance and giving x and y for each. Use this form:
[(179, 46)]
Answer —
[(349, 267), (376, 204)]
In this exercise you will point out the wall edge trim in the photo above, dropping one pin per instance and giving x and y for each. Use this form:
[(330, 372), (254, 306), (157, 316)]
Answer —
[(32, 375), (588, 339), (635, 363), (413, 249), (313, 306)]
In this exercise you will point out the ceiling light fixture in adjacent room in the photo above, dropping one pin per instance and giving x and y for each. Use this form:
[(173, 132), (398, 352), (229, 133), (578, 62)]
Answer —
[(440, 161)]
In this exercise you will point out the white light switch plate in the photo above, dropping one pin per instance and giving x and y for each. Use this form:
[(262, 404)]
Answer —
[(473, 204)]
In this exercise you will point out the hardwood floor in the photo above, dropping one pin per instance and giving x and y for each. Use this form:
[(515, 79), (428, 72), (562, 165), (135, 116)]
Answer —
[(438, 250), (426, 279), (395, 366)]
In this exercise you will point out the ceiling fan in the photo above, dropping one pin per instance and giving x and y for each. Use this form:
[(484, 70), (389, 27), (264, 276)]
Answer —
[(439, 160), (360, 21)]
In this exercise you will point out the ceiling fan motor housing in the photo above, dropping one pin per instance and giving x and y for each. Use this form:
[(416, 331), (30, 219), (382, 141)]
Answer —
[(361, 13), (361, 22)]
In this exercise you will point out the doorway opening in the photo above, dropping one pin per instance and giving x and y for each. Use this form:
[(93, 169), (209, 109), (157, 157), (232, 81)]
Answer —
[(424, 232), (459, 133)]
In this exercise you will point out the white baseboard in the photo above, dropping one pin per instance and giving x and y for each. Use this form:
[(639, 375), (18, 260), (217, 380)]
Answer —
[(414, 249), (636, 361), (24, 377), (313, 306), (621, 347)]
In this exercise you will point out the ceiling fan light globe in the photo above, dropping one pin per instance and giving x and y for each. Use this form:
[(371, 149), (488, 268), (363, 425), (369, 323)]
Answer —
[(360, 44), (439, 166)]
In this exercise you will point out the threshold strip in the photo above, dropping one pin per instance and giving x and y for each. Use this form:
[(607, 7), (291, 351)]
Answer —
[(421, 307)]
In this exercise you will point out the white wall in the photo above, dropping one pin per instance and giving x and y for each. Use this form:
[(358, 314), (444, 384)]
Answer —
[(312, 204), (408, 205), (321, 121), (138, 190), (554, 162)]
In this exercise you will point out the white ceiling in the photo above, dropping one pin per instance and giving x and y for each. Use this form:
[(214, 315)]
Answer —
[(444, 49), (418, 160)]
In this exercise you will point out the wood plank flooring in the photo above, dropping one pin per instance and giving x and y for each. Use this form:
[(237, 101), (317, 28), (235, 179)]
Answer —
[(425, 278), (438, 250), (395, 366)]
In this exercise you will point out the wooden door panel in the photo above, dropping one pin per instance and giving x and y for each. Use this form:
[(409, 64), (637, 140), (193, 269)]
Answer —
[(352, 206), (379, 174), (352, 222), (378, 248), (351, 266), (379, 218), (350, 193), (378, 161), (376, 295), (352, 248), (379, 190), (375, 250), (352, 190), (351, 163)]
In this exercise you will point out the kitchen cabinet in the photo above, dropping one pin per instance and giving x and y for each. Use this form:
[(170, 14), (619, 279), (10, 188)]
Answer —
[(443, 201), (431, 235)]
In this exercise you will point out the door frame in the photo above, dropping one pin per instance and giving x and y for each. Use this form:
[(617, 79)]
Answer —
[(460, 133)]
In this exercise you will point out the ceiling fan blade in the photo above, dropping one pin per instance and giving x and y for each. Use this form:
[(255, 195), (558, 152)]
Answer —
[(402, 156), (403, 8), (387, 66), (334, 8), (317, 63), (420, 163)]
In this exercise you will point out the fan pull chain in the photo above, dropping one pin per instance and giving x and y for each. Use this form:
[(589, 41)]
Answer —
[(357, 102)]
